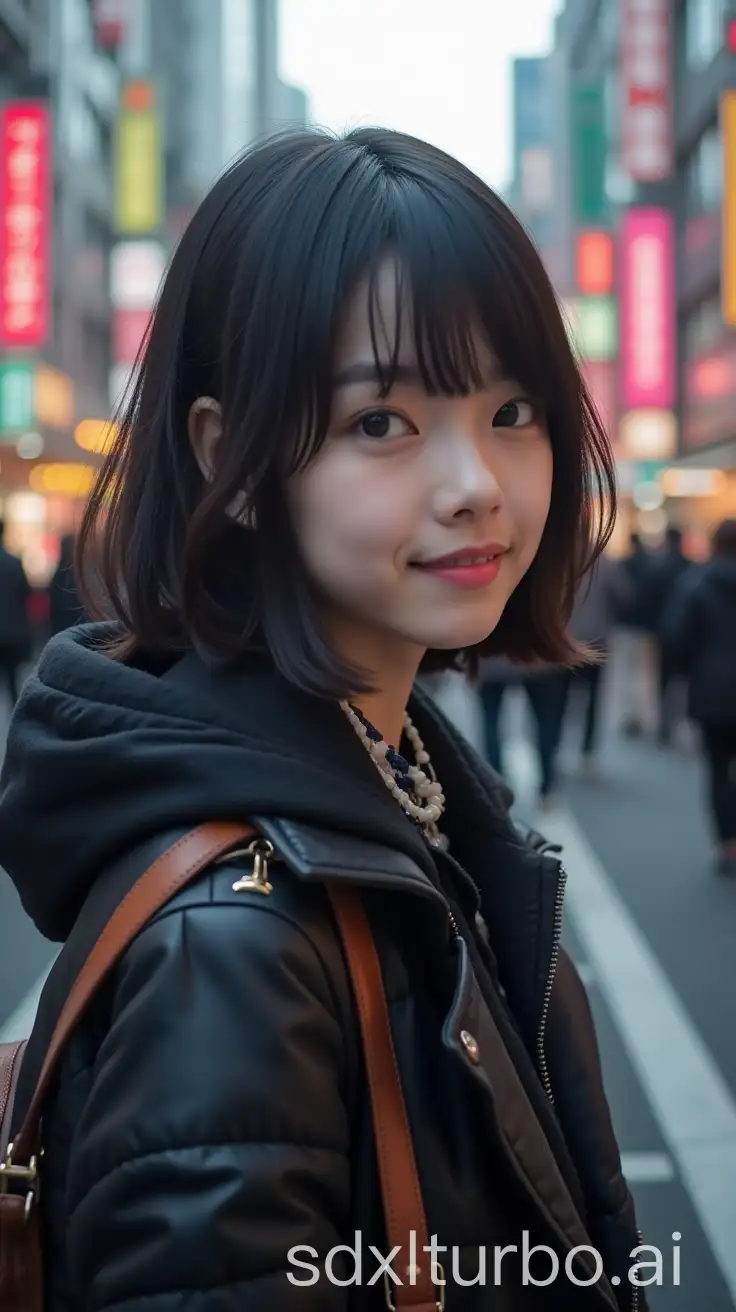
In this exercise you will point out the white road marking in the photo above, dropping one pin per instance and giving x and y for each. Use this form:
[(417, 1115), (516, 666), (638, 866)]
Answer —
[(692, 1102), (648, 1168)]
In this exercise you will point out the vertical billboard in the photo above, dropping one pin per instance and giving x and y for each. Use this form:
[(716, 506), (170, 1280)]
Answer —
[(109, 17), (646, 75), (25, 223), (728, 224), (136, 271), (138, 162), (589, 148), (648, 323), (594, 262)]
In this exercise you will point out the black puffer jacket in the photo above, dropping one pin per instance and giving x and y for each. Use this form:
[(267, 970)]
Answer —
[(212, 1113)]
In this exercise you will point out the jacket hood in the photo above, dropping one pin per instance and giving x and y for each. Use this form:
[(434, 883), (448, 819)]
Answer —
[(102, 755)]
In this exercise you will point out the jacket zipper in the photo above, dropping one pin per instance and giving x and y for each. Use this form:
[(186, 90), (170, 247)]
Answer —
[(635, 1288), (558, 918)]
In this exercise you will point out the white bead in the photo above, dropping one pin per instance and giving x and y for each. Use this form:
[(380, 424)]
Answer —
[(379, 750), (423, 758), (434, 790)]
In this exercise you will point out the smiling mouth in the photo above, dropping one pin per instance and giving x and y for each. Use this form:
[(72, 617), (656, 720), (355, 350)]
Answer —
[(463, 559)]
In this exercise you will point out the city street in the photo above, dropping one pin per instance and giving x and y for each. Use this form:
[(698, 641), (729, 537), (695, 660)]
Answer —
[(652, 930)]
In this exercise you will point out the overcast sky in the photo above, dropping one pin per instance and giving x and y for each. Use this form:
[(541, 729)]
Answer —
[(439, 69)]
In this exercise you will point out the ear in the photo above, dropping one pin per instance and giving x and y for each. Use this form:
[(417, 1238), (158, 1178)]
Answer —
[(205, 430)]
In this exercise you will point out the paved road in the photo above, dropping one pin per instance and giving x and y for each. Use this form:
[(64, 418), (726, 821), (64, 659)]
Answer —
[(653, 932)]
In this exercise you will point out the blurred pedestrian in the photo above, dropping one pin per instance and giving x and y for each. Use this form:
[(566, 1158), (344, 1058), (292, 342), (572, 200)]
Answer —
[(360, 446), (15, 628), (601, 601), (65, 607), (543, 690), (666, 568), (699, 631), (636, 646)]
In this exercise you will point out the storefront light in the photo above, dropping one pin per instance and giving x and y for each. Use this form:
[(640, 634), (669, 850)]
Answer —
[(693, 482), (648, 496), (25, 508), (68, 480), (96, 435), (30, 446)]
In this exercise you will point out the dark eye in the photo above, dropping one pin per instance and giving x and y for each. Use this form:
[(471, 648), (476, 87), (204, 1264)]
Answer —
[(515, 414), (378, 424)]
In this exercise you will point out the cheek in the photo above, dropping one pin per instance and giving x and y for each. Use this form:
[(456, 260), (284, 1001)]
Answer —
[(529, 495), (349, 513), (353, 505)]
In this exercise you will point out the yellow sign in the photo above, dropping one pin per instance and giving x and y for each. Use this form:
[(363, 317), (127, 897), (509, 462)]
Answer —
[(728, 258), (53, 398), (95, 435), (138, 170), (64, 480)]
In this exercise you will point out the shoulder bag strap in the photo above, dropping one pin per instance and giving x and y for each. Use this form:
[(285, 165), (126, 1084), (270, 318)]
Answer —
[(406, 1224)]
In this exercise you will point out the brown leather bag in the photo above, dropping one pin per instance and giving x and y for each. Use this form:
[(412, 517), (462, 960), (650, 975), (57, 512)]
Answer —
[(21, 1258)]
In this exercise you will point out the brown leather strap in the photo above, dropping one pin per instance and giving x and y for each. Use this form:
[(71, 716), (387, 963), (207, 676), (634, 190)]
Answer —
[(173, 870), (406, 1224), (11, 1056)]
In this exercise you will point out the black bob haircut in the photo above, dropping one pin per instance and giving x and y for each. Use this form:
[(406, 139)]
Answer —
[(248, 314)]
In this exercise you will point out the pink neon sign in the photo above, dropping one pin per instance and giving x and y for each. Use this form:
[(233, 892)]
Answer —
[(648, 327)]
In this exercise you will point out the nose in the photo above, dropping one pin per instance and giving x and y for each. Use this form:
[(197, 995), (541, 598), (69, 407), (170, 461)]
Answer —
[(467, 486)]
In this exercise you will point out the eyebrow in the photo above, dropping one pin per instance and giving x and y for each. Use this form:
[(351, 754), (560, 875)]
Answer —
[(365, 371)]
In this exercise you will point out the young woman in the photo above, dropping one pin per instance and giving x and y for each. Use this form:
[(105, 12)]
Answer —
[(359, 448)]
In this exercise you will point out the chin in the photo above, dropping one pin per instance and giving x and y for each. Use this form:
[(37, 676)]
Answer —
[(455, 636)]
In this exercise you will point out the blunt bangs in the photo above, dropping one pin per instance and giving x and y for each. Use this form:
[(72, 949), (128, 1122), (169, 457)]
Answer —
[(250, 315)]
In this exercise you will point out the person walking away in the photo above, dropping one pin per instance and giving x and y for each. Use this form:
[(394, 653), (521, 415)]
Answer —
[(666, 569), (65, 607), (15, 630), (699, 632), (601, 601), (637, 649), (543, 690)]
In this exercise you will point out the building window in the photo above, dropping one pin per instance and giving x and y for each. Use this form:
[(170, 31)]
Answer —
[(704, 173), (704, 28)]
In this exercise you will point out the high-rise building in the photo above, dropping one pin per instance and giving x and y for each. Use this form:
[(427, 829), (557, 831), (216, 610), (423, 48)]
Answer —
[(58, 100), (115, 118), (234, 94), (643, 245), (531, 185)]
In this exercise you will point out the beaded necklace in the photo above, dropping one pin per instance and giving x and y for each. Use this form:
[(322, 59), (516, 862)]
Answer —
[(415, 787)]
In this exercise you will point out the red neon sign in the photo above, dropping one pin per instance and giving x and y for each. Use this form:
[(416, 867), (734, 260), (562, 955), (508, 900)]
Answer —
[(594, 263), (25, 223)]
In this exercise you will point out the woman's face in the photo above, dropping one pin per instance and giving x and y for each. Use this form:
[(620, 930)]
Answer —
[(404, 482)]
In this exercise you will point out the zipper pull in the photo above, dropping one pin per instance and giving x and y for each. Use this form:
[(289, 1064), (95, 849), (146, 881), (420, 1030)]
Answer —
[(257, 881)]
